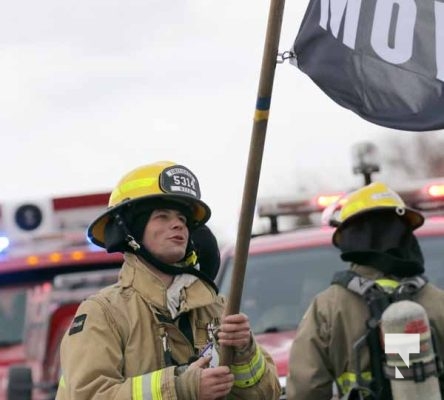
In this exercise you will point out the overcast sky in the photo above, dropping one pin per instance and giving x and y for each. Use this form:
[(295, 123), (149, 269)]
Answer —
[(91, 89)]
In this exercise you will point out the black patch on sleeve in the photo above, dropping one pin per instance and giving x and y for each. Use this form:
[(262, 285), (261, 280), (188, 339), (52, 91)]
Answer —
[(77, 324)]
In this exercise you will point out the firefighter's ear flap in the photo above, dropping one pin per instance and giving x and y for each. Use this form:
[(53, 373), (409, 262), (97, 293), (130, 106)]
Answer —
[(114, 238), (207, 249)]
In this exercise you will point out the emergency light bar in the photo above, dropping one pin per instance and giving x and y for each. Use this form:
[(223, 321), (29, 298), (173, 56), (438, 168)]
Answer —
[(54, 258), (426, 195), (429, 196), (436, 190), (325, 200), (274, 208), (4, 243), (316, 204)]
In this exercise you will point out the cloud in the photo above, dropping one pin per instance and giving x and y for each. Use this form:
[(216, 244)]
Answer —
[(92, 89)]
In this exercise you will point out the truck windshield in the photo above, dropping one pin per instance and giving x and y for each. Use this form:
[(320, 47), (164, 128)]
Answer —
[(279, 286), (12, 315)]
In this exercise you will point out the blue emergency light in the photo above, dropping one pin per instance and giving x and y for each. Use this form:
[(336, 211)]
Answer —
[(4, 243)]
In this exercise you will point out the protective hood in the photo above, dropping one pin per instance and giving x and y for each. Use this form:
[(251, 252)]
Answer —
[(384, 241)]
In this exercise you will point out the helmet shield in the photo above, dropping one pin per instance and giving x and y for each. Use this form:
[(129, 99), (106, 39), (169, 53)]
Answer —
[(180, 180)]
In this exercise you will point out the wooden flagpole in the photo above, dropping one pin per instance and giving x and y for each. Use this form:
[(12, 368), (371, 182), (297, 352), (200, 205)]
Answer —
[(257, 142)]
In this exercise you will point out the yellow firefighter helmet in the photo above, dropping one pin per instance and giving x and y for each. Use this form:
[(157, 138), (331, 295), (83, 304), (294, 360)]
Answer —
[(161, 180), (373, 197)]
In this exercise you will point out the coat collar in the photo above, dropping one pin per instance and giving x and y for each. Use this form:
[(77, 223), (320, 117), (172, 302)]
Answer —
[(367, 271), (152, 289)]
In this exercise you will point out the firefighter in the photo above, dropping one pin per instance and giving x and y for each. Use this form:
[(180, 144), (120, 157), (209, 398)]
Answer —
[(337, 344), (157, 332)]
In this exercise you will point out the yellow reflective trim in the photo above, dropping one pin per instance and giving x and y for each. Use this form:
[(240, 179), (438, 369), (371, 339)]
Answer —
[(62, 383), (137, 388), (390, 283), (156, 387), (260, 115), (375, 195), (347, 380), (137, 184), (241, 369), (247, 375)]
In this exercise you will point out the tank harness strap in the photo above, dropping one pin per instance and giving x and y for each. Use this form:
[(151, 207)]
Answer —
[(436, 348), (352, 281), (418, 371)]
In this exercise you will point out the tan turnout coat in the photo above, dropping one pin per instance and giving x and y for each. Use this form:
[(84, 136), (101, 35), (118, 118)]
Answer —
[(323, 347), (115, 349)]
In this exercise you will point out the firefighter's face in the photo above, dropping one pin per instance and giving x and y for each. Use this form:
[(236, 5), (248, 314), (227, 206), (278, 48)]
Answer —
[(166, 235)]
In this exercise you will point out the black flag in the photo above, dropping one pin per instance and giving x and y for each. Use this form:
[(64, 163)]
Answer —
[(382, 59)]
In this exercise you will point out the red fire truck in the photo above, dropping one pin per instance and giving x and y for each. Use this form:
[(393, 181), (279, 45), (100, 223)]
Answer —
[(285, 270), (46, 269)]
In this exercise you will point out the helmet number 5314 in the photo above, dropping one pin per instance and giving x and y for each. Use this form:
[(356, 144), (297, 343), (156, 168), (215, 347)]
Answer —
[(184, 181)]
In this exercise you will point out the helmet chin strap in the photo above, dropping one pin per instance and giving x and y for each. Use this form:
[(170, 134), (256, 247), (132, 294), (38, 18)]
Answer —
[(172, 269), (134, 247), (129, 239)]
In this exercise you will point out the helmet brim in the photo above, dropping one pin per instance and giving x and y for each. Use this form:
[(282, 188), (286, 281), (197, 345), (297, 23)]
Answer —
[(201, 213)]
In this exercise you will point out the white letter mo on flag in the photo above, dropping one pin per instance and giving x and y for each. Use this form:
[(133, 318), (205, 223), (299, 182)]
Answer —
[(404, 30), (338, 10), (402, 344)]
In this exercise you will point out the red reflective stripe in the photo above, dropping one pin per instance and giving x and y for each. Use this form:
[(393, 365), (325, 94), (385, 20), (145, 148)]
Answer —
[(88, 200)]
